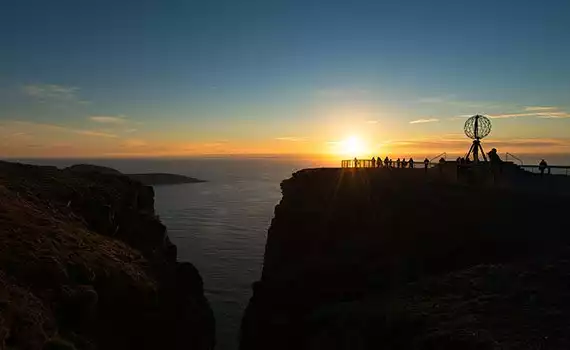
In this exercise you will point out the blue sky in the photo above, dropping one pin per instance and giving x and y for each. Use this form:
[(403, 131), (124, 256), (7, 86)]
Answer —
[(199, 77)]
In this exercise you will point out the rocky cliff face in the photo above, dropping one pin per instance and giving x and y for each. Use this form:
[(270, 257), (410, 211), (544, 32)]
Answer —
[(395, 259), (86, 264)]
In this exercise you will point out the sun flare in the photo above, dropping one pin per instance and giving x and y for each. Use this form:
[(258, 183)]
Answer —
[(352, 146)]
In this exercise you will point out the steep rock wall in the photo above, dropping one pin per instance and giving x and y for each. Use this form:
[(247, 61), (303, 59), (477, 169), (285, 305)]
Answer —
[(376, 258), (87, 264)]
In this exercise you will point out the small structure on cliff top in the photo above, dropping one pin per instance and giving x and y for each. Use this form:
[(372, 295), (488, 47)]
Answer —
[(476, 128)]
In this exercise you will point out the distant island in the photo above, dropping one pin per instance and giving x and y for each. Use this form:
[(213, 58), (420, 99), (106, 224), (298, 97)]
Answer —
[(163, 179), (149, 179)]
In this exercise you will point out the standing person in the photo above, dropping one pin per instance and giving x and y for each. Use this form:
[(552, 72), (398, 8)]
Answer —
[(355, 162), (398, 163), (441, 164), (426, 163), (542, 166), (404, 163), (386, 162), (373, 162), (411, 162), (378, 162)]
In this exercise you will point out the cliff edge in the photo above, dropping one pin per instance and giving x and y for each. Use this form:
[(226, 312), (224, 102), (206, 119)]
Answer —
[(397, 259), (86, 264)]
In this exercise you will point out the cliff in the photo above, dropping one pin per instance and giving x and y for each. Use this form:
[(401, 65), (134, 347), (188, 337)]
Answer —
[(86, 264), (397, 259)]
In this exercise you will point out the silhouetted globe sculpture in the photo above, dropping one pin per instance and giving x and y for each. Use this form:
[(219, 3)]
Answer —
[(477, 127)]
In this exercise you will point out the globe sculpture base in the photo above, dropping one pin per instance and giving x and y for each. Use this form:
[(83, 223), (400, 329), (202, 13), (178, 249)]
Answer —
[(475, 148)]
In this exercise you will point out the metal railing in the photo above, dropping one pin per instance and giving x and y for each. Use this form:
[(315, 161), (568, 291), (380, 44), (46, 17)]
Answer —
[(441, 155), (514, 157), (357, 163), (367, 163), (550, 169)]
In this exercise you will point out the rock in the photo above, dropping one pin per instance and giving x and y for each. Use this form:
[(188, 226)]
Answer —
[(372, 258), (90, 168), (96, 263)]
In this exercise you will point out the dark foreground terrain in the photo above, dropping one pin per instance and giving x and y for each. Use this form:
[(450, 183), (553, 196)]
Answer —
[(86, 264), (397, 259)]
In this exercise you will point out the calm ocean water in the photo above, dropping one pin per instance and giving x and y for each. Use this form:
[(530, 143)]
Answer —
[(220, 226)]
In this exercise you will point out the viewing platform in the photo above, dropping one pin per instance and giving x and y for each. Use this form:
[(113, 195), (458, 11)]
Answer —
[(535, 169)]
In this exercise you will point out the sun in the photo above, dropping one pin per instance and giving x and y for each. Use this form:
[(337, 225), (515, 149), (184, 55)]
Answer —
[(352, 146)]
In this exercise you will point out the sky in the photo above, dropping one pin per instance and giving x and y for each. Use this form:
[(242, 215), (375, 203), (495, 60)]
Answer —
[(136, 78)]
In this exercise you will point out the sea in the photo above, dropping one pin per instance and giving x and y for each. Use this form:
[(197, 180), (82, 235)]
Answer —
[(221, 225)]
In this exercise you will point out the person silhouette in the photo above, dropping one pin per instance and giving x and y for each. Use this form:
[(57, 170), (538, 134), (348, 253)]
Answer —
[(355, 162), (441, 164), (373, 162), (542, 167), (378, 162), (411, 162), (494, 157), (386, 162), (426, 163), (404, 163), (398, 163)]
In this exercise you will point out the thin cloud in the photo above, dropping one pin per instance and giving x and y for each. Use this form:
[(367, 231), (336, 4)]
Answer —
[(420, 121), (290, 138), (108, 119), (53, 92), (460, 117), (555, 115), (134, 143), (461, 145), (510, 115), (539, 108), (542, 115), (42, 128), (93, 133)]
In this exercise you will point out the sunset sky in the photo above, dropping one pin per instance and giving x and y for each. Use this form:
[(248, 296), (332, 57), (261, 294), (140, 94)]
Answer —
[(128, 78)]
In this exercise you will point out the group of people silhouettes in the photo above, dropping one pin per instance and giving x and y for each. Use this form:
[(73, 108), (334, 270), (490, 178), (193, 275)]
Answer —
[(463, 163), (463, 160), (377, 162)]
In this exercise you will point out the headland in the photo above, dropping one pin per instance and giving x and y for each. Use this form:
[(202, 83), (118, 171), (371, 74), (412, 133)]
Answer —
[(366, 258), (85, 263)]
